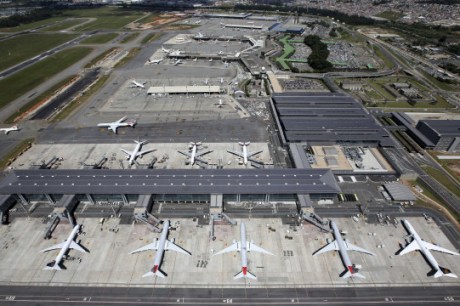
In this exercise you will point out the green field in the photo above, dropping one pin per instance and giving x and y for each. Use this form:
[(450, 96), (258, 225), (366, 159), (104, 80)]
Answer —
[(63, 25), (99, 39), (443, 179), (23, 81), (108, 18), (32, 25), (390, 15), (151, 37), (23, 47)]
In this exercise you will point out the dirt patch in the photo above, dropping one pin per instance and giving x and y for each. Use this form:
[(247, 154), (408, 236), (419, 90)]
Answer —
[(157, 21)]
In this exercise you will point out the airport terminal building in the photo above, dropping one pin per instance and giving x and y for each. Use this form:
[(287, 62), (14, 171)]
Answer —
[(144, 188)]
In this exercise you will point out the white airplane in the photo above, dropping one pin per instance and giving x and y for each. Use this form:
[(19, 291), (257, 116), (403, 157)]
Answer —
[(206, 81), (245, 154), (116, 124), (155, 61), (198, 22), (178, 62), (137, 84), (243, 247), (220, 104), (175, 53), (221, 80), (425, 247), (64, 246), (200, 35), (131, 156), (7, 130), (210, 59), (194, 154), (221, 52), (166, 50), (161, 245), (343, 246)]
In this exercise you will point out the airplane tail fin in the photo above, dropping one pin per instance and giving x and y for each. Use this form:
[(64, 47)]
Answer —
[(444, 272), (352, 272), (247, 275), (52, 266)]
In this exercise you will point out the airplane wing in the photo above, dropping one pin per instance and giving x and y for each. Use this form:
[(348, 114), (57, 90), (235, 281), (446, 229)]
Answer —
[(77, 247), (54, 247), (352, 247), (144, 152), (413, 246), (173, 247), (254, 153), (333, 246), (434, 247), (235, 153), (113, 128), (233, 248), (201, 153), (254, 248), (151, 246), (127, 152), (185, 153), (121, 120)]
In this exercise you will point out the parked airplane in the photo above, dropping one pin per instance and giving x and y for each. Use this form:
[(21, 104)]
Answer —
[(221, 80), (116, 124), (155, 61), (200, 35), (243, 247), (7, 130), (166, 50), (220, 104), (131, 156), (194, 154), (175, 53), (137, 84), (425, 247), (64, 246), (161, 245), (206, 81), (343, 246), (177, 62), (198, 22), (245, 154)]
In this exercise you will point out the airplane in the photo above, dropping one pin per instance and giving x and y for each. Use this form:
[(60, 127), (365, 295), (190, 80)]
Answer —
[(220, 104), (343, 246), (221, 80), (137, 84), (166, 50), (116, 124), (200, 35), (161, 245), (175, 53), (245, 154), (7, 130), (210, 59), (221, 52), (194, 154), (206, 81), (155, 61), (198, 22), (177, 62), (64, 246), (243, 246), (131, 156), (424, 248)]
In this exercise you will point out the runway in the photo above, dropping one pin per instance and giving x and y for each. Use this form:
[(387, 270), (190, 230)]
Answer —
[(35, 295)]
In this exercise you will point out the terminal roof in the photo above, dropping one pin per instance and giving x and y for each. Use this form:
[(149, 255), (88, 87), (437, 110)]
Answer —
[(171, 181)]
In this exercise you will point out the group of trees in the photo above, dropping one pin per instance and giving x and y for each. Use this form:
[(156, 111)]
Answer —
[(32, 16), (318, 57)]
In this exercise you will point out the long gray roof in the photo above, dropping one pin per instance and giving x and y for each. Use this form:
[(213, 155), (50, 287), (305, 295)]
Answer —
[(171, 181), (326, 117)]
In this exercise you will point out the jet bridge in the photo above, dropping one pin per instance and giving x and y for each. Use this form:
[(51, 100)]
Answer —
[(6, 203)]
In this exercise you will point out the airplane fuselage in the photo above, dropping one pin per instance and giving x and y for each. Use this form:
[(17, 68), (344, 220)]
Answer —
[(245, 154), (192, 155), (244, 257), (342, 249), (67, 244), (430, 258), (133, 155), (161, 247)]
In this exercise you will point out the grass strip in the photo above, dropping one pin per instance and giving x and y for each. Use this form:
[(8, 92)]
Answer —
[(12, 155), (25, 109), (25, 80)]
